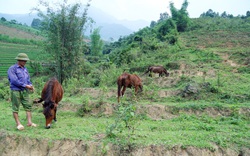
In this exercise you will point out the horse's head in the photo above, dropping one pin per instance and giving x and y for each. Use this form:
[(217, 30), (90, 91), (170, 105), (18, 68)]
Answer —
[(167, 74), (140, 84), (52, 94), (141, 87), (49, 113)]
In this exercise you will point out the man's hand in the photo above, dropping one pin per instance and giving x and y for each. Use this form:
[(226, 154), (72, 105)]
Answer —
[(31, 88)]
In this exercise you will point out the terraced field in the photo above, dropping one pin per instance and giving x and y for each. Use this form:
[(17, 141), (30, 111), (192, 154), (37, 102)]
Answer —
[(9, 51)]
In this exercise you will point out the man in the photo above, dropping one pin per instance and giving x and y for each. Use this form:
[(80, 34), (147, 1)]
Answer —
[(20, 86)]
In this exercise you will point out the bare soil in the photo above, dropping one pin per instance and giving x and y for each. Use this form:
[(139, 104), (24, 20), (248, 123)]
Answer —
[(15, 33), (17, 145)]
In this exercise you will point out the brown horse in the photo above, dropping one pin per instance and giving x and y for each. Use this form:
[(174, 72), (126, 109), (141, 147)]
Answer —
[(157, 69), (52, 94), (128, 80)]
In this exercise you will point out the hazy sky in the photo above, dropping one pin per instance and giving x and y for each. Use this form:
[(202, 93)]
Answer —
[(140, 9)]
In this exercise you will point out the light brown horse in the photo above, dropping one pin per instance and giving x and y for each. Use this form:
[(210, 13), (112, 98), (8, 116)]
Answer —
[(128, 80), (52, 94), (157, 69)]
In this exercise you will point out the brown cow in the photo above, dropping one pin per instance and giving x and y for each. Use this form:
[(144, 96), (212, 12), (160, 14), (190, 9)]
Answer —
[(128, 80), (157, 69)]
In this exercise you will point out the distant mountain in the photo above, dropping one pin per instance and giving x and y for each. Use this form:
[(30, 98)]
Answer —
[(114, 31), (110, 26), (20, 18), (101, 17)]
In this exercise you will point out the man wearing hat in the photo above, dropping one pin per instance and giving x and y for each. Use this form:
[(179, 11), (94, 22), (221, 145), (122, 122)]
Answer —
[(20, 86)]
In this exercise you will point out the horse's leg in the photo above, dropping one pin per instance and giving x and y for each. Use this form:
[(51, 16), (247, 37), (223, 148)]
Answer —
[(160, 74), (141, 88), (123, 90), (119, 92), (150, 74), (55, 113), (136, 89)]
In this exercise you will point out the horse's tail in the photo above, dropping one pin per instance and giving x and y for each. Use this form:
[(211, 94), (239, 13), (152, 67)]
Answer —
[(39, 100), (148, 70), (119, 84)]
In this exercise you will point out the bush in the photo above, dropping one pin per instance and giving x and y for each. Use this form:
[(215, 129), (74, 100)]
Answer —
[(4, 89)]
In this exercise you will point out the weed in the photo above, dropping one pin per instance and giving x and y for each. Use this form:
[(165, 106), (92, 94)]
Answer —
[(85, 107), (126, 121)]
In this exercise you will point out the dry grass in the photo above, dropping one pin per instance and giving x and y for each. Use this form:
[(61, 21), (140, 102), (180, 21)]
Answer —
[(17, 33)]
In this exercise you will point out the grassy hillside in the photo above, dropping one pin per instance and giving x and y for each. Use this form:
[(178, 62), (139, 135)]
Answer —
[(204, 103), (19, 31)]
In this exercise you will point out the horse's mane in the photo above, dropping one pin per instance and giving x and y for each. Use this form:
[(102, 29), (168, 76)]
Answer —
[(48, 103), (137, 77)]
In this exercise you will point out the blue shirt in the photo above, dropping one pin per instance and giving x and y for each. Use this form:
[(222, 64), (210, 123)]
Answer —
[(18, 77)]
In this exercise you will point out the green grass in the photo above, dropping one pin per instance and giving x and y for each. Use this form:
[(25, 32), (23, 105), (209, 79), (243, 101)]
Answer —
[(185, 130)]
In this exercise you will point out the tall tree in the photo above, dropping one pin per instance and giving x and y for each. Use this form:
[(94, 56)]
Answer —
[(96, 43), (167, 31), (64, 28), (180, 16)]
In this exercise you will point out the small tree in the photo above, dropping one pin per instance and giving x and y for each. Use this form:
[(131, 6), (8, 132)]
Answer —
[(3, 19), (64, 30), (96, 43), (163, 16), (210, 13), (247, 14), (152, 24), (36, 23), (13, 21)]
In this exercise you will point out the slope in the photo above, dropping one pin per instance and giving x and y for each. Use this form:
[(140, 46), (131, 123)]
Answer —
[(203, 107)]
